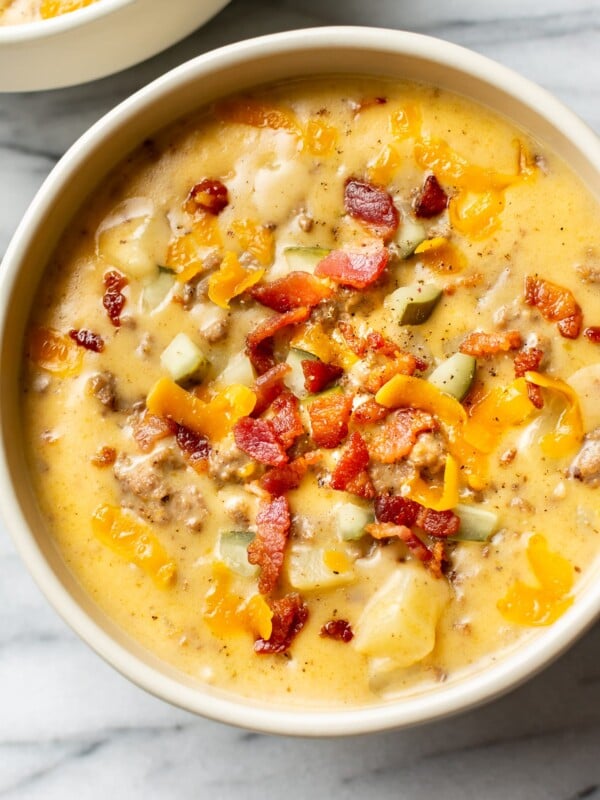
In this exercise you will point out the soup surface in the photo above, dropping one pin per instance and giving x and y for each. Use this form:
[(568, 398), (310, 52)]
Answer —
[(309, 391), (17, 12)]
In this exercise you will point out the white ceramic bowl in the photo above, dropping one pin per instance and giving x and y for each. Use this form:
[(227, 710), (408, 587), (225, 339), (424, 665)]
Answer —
[(233, 68), (95, 41)]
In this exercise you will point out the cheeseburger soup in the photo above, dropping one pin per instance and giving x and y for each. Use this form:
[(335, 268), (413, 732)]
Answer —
[(15, 12), (310, 391)]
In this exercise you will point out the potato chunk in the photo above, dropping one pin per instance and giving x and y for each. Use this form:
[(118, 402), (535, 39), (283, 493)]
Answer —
[(134, 238), (398, 623)]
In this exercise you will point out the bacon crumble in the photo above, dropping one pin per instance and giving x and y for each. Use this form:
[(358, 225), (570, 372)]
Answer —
[(403, 511), (209, 195), (195, 447), (482, 344), (338, 629), (295, 290), (289, 617), (258, 438), (318, 375), (372, 206), (88, 339), (389, 530), (259, 342), (369, 412), (527, 360), (113, 299), (329, 417), (389, 359), (267, 548), (279, 480), (396, 437), (354, 268), (432, 200), (148, 429), (268, 386), (556, 304), (286, 421), (350, 473), (592, 334)]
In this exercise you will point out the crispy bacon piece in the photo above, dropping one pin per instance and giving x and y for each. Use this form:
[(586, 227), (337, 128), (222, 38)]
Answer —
[(289, 617), (528, 359), (362, 486), (338, 629), (88, 339), (373, 342), (350, 473), (369, 412), (195, 447), (268, 546), (391, 508), (439, 524), (208, 195), (295, 290), (113, 299), (481, 344), (286, 421), (388, 530), (268, 386), (556, 304), (396, 437), (437, 562), (356, 269), (104, 457), (400, 364), (279, 480), (592, 333), (432, 199), (259, 344), (357, 344), (329, 416), (397, 509), (318, 375), (257, 438), (389, 359), (148, 429), (372, 206)]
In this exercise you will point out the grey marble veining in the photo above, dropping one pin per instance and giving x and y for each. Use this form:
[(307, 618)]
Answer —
[(71, 727)]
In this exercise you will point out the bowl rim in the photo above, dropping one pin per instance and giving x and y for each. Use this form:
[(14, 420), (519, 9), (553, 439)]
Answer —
[(44, 28), (493, 680)]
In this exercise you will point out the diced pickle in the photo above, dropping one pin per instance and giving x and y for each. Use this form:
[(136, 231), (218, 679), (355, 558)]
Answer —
[(413, 305), (476, 524), (304, 258), (183, 358), (233, 551), (455, 375)]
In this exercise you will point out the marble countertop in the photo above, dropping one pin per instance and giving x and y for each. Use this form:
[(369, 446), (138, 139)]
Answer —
[(71, 727)]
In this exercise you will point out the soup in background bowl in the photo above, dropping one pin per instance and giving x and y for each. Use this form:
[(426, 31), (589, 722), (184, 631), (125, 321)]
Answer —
[(19, 12), (47, 44), (319, 361)]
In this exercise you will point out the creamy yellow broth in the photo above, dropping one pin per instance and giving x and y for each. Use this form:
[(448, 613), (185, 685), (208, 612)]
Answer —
[(285, 173), (17, 12)]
